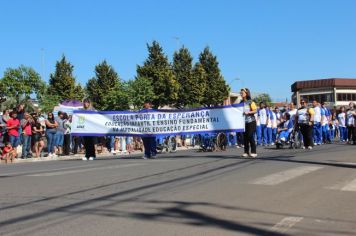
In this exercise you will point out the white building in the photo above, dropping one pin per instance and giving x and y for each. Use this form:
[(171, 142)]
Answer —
[(334, 91)]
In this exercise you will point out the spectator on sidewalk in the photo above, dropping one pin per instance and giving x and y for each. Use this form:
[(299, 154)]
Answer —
[(51, 130), (67, 130), (37, 136), (13, 126), (26, 125), (59, 136)]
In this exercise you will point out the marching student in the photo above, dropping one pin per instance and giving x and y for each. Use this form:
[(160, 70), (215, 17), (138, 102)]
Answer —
[(149, 142), (250, 123), (350, 120), (258, 129), (263, 117), (325, 123), (292, 111), (89, 141), (317, 131), (341, 117), (304, 119), (275, 120), (269, 125)]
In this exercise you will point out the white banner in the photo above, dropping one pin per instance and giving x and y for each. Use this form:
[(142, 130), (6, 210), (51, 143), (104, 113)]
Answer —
[(158, 122)]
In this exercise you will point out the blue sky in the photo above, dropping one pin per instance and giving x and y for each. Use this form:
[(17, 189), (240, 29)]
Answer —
[(267, 44)]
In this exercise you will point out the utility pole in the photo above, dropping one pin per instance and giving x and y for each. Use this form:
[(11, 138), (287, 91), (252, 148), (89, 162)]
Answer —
[(43, 63), (177, 42)]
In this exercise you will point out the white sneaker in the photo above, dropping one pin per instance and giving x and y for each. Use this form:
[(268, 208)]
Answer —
[(113, 152), (84, 159), (144, 157), (303, 147), (253, 155), (245, 155), (238, 147), (310, 147), (49, 155), (91, 158)]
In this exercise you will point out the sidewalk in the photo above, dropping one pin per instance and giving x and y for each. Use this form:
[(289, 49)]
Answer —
[(80, 156)]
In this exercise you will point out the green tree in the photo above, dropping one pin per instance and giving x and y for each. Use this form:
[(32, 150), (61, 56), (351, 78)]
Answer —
[(197, 86), (158, 69), (117, 98), (263, 97), (21, 83), (62, 82), (140, 90), (104, 86), (217, 89), (182, 68), (79, 93)]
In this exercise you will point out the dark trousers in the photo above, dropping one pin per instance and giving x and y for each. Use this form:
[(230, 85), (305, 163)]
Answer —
[(77, 143), (249, 140), (307, 132), (66, 144), (240, 138), (89, 146), (353, 131), (350, 133), (150, 146)]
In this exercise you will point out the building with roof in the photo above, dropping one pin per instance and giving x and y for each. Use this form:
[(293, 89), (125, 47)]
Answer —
[(333, 91)]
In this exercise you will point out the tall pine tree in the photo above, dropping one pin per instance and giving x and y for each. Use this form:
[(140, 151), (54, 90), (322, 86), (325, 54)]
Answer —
[(182, 67), (62, 82), (217, 89), (197, 86), (104, 86), (158, 69)]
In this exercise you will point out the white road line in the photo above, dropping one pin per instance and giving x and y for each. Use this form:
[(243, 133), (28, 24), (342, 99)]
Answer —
[(285, 224), (29, 172), (287, 175), (349, 186), (82, 170)]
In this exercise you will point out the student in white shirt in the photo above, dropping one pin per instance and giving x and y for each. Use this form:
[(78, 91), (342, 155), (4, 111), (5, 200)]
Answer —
[(292, 111), (317, 130), (263, 117), (350, 123), (341, 117)]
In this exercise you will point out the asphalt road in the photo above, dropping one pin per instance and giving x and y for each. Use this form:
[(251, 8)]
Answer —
[(283, 192)]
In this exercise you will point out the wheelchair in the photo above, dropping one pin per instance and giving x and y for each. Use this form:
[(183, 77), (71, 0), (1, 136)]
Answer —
[(294, 140), (167, 144), (213, 142)]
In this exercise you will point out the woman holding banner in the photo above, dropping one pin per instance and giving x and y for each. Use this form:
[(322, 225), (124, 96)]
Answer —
[(250, 109), (89, 143)]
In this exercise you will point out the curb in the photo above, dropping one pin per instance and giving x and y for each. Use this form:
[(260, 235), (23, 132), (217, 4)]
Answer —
[(80, 156)]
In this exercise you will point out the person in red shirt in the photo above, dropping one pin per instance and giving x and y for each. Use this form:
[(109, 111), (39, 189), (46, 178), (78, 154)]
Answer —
[(8, 153), (13, 125), (26, 125)]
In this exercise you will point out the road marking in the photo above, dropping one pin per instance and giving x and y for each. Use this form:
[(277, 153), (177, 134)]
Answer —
[(287, 175), (285, 224), (349, 186), (29, 172), (83, 170)]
